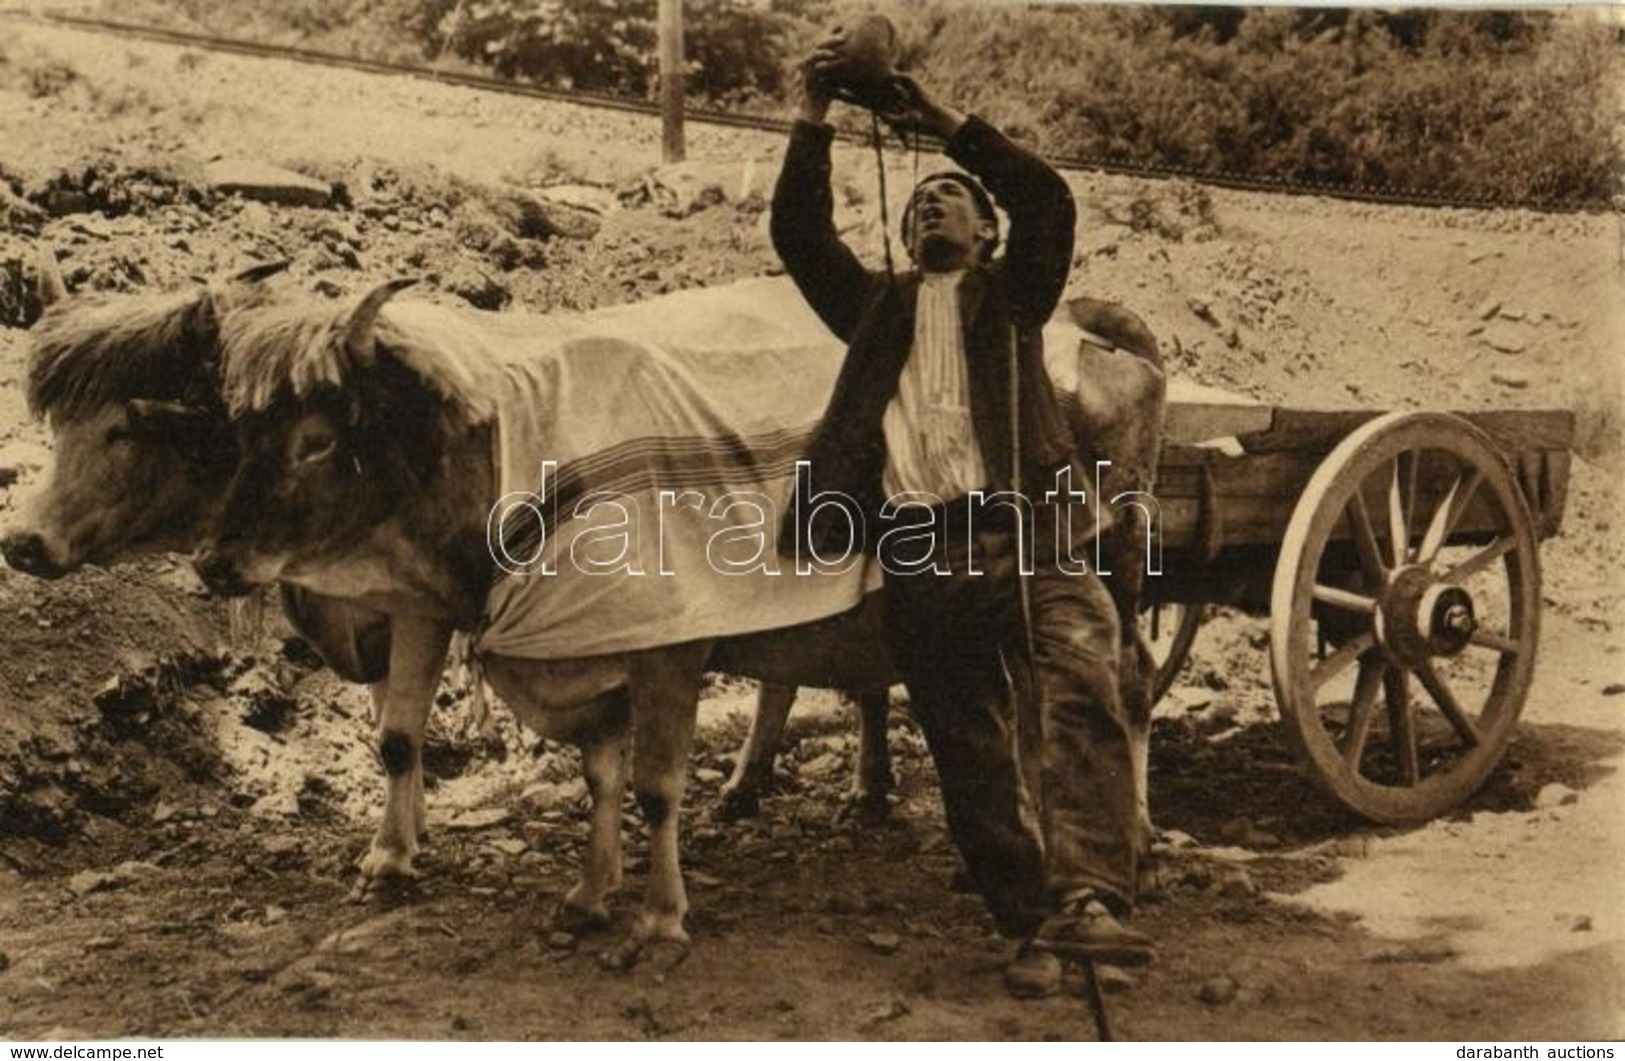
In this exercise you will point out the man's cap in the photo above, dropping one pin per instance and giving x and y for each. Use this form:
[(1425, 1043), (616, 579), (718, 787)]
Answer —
[(978, 194)]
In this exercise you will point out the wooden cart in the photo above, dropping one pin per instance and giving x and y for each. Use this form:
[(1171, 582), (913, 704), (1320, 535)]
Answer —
[(1397, 558)]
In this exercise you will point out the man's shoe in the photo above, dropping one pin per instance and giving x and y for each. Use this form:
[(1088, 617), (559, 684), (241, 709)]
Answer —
[(1032, 973), (1086, 929)]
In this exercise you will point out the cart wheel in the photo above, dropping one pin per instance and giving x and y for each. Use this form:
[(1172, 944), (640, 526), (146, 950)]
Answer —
[(1409, 573), (1170, 631)]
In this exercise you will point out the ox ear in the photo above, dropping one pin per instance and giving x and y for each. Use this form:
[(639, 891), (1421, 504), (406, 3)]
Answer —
[(259, 272), (359, 342), (48, 284), (155, 419), (186, 429)]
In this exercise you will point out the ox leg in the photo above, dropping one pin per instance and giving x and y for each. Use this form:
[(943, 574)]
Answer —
[(420, 814), (416, 657), (873, 780), (753, 766), (664, 685), (584, 907), (1138, 676)]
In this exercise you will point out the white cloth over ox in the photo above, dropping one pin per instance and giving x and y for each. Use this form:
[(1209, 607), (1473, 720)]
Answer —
[(645, 455)]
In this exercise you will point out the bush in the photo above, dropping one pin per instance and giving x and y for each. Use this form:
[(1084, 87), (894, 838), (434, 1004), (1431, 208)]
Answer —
[(734, 50)]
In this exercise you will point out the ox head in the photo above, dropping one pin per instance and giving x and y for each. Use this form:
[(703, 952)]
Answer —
[(336, 436), (142, 448)]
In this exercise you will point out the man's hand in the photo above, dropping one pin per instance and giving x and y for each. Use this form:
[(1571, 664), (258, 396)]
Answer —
[(817, 83), (911, 108)]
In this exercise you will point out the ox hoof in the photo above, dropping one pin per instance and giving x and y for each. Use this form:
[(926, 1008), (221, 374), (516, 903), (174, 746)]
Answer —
[(380, 867), (735, 804), (580, 920), (864, 809), (367, 889), (661, 956)]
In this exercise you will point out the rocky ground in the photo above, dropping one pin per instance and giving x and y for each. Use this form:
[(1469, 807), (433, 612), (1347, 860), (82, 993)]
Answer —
[(178, 821)]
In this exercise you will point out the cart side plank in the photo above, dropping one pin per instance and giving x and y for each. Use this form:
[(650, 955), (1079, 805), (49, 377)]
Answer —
[(1211, 502)]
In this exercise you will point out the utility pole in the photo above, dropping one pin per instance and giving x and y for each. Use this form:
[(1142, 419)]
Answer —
[(670, 15)]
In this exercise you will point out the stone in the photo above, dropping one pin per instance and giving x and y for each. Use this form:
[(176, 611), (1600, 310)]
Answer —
[(512, 846), (1613, 689), (1201, 309), (1217, 991), (1502, 340), (264, 182), (1510, 379), (890, 1010), (1113, 979), (475, 286), (1487, 309), (1238, 884), (276, 805), (18, 214), (87, 881), (1581, 924), (530, 217), (131, 871), (275, 915), (1555, 795), (706, 775), (561, 941), (587, 197), (821, 766), (478, 819), (548, 795), (884, 942)]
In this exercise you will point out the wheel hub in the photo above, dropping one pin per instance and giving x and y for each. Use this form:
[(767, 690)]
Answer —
[(1418, 618)]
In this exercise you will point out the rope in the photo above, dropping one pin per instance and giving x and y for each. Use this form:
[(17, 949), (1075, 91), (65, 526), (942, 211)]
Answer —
[(885, 206)]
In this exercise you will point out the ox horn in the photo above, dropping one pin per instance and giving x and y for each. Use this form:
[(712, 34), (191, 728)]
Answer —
[(358, 338), (259, 271), (49, 284)]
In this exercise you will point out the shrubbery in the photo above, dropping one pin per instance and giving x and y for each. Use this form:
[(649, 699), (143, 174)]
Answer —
[(1514, 106), (1499, 105), (735, 52)]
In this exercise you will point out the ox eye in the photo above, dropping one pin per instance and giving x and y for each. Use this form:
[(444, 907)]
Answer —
[(315, 447), (118, 433)]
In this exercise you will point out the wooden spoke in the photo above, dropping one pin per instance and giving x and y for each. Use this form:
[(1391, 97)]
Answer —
[(1478, 562), (1447, 703), (1404, 488), (1449, 516), (1342, 598), (1365, 539), (1498, 642), (1402, 724), (1399, 535), (1361, 710), (1412, 468), (1340, 660)]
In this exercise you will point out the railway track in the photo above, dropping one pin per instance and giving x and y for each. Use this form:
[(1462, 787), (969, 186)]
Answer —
[(711, 116)]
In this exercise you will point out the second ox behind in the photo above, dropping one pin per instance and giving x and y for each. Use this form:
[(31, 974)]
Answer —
[(376, 446)]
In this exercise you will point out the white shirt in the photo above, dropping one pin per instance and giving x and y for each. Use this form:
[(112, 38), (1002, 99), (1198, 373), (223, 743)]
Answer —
[(930, 439)]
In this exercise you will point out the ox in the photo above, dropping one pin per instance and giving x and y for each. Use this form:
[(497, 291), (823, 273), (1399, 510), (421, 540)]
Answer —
[(367, 471), (143, 452)]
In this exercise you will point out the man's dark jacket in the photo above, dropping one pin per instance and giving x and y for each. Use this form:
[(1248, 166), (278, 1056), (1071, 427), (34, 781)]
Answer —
[(875, 316)]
